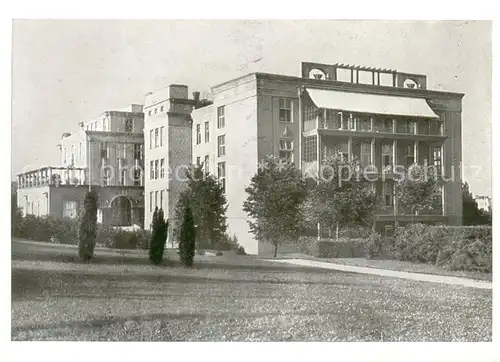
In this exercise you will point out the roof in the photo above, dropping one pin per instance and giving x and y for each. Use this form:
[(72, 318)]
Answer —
[(371, 103)]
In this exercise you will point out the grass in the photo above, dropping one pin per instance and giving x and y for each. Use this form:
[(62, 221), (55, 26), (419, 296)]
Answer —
[(231, 298)]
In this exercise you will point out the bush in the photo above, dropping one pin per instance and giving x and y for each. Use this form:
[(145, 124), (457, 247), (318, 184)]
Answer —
[(374, 246), (187, 238), (327, 248), (240, 251), (227, 243), (466, 248), (200, 252), (219, 253), (87, 231), (158, 237)]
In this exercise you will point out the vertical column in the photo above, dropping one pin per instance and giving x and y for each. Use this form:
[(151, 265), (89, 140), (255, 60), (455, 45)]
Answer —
[(50, 176), (357, 76), (352, 75), (394, 126), (394, 154), (299, 93), (325, 122), (378, 78), (372, 152), (372, 124), (349, 149), (415, 152)]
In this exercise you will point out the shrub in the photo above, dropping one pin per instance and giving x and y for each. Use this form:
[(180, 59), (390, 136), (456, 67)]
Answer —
[(158, 237), (328, 248), (219, 253), (374, 246), (226, 242), (187, 238), (200, 252), (87, 231), (240, 251), (457, 248)]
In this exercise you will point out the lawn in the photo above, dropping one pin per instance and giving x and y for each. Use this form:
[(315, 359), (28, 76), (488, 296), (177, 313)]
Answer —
[(231, 298)]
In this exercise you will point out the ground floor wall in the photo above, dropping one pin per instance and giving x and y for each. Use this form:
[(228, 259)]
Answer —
[(68, 201)]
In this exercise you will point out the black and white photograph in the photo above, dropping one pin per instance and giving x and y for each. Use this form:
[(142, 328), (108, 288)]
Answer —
[(251, 180)]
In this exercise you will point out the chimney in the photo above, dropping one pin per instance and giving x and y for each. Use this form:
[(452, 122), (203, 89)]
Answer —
[(196, 96)]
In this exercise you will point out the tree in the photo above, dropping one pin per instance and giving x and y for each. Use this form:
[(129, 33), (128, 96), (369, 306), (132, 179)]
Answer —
[(340, 198), (187, 237), (158, 237), (471, 213), (87, 231), (417, 189), (274, 200), (208, 203), (16, 215)]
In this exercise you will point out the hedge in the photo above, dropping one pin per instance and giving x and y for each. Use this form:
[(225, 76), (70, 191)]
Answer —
[(328, 248), (466, 248), (65, 231)]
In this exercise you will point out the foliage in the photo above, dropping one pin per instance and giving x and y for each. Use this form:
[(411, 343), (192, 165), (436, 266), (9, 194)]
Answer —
[(187, 238), (417, 189), (274, 200), (227, 242), (374, 246), (240, 251), (340, 199), (16, 215), (327, 248), (87, 231), (208, 203), (471, 213), (458, 248), (158, 237), (47, 228), (124, 239)]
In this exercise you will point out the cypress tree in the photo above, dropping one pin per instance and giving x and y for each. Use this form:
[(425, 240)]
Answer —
[(159, 237), (87, 230), (187, 238)]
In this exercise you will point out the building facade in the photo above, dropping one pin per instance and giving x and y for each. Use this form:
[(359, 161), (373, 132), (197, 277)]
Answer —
[(105, 153), (167, 135), (383, 117)]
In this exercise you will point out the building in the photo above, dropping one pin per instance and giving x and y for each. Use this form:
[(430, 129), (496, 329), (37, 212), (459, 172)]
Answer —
[(484, 203), (382, 116), (105, 153), (167, 135)]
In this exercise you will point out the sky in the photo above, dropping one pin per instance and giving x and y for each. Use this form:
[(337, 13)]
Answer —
[(67, 71)]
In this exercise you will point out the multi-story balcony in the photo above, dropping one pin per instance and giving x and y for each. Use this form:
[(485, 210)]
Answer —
[(52, 176)]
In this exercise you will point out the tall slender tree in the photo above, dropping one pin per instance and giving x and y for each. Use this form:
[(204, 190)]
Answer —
[(158, 237), (187, 238), (87, 231)]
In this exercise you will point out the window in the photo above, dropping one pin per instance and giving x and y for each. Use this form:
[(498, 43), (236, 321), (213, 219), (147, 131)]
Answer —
[(156, 110), (221, 120), (161, 109), (162, 168), (137, 177), (104, 150), (156, 169), (69, 209), (198, 161), (436, 157), (221, 145), (206, 163), (105, 124), (80, 151), (129, 125), (156, 199), (388, 193), (149, 113), (95, 125), (207, 133), (198, 134), (137, 151), (151, 201), (386, 155), (105, 176), (285, 110), (161, 199), (156, 137), (151, 139), (388, 125), (152, 170), (286, 150), (366, 153), (123, 177), (410, 155), (162, 129), (221, 175), (366, 124)]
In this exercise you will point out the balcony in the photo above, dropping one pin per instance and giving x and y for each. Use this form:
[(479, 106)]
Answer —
[(52, 176)]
